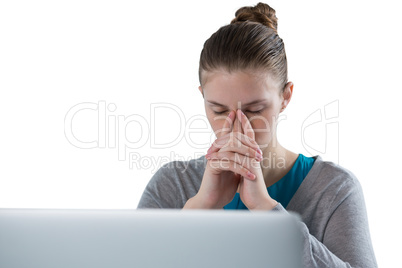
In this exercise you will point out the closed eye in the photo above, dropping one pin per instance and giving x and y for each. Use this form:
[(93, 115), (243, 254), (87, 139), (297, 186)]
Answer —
[(253, 112)]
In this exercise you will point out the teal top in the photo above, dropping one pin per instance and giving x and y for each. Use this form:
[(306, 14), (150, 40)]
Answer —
[(284, 189)]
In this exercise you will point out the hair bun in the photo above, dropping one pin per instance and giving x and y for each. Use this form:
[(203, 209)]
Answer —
[(261, 13)]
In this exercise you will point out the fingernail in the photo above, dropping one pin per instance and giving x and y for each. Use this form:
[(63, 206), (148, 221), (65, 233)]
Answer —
[(258, 157), (259, 150), (250, 175), (230, 114)]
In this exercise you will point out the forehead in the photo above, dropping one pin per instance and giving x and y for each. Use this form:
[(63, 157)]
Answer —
[(240, 85)]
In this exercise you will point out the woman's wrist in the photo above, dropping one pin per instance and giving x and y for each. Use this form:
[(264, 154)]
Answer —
[(268, 204), (195, 203), (190, 204)]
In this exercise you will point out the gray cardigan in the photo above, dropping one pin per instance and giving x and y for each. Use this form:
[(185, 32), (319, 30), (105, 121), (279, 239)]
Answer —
[(330, 202)]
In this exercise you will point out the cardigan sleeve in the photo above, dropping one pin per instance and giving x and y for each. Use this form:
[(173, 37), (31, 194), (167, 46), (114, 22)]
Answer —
[(346, 241)]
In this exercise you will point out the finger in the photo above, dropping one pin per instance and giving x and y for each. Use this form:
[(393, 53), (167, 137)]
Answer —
[(224, 131), (235, 140), (236, 133), (246, 125), (247, 128), (227, 125), (227, 165), (219, 143), (240, 149), (244, 160), (245, 139)]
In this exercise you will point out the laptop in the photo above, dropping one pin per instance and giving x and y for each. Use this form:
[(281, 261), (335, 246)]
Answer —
[(122, 238)]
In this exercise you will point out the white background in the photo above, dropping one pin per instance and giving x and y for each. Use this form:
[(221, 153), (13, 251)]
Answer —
[(57, 54)]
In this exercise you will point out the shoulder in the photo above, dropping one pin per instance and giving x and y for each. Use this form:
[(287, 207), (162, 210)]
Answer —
[(328, 187), (334, 175), (332, 182)]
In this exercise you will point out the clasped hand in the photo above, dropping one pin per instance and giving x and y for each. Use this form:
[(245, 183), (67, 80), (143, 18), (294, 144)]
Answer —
[(234, 164)]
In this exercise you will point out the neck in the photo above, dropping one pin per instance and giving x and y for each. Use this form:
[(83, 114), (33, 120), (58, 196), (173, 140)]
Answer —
[(277, 161)]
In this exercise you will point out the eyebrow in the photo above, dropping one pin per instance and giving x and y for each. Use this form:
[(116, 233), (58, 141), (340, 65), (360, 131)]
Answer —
[(247, 104)]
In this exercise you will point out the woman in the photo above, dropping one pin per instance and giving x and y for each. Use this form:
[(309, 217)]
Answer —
[(243, 80)]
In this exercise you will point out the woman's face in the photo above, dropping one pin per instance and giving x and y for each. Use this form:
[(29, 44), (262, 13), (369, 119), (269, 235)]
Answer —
[(257, 95)]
